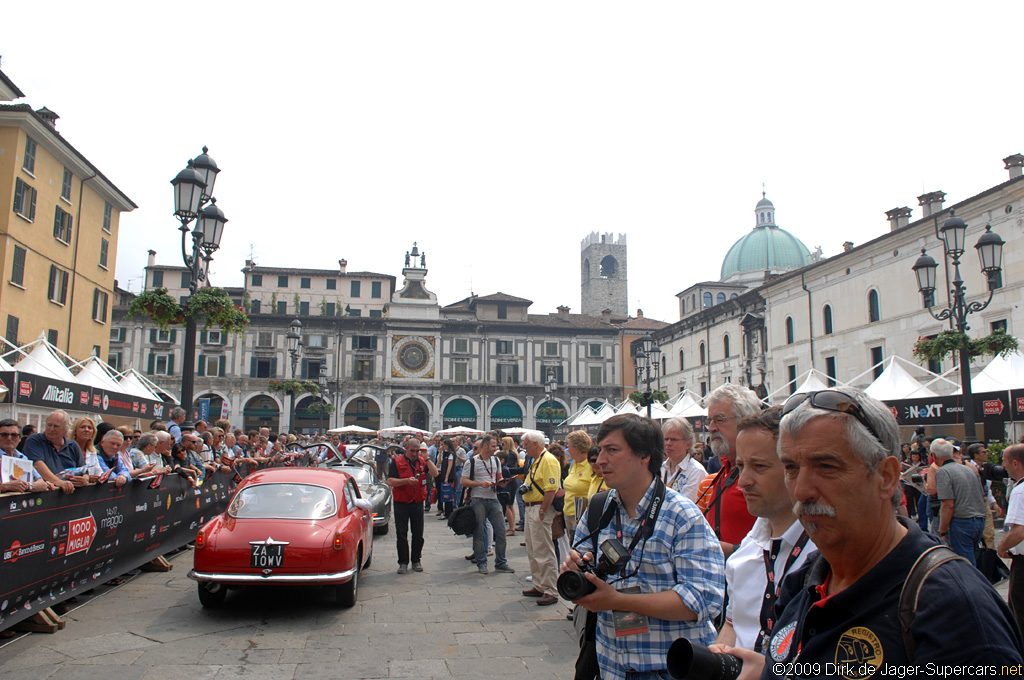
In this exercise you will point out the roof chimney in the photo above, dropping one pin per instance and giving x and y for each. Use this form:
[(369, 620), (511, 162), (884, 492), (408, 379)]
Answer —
[(605, 313), (1015, 164), (342, 265), (898, 217), (562, 309), (847, 246), (152, 258), (48, 116), (639, 313), (931, 203)]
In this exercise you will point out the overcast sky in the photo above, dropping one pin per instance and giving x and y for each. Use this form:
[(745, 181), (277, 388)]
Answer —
[(498, 135)]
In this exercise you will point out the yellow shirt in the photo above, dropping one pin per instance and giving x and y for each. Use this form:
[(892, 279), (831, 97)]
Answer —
[(577, 485), (596, 484), (545, 475)]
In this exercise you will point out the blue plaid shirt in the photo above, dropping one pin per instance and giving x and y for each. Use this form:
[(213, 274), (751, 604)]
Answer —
[(682, 555)]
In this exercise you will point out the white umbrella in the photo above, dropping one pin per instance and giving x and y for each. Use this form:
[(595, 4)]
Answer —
[(351, 429), (514, 431), (452, 431), (403, 430)]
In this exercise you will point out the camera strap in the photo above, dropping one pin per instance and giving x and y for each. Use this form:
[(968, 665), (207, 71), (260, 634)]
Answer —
[(609, 510)]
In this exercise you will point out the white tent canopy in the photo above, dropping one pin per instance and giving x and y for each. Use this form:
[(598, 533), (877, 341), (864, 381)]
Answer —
[(132, 383), (42, 360), (402, 430), (687, 406), (351, 429), (813, 381), (1002, 373), (597, 417), (95, 374), (453, 431), (895, 382), (574, 419)]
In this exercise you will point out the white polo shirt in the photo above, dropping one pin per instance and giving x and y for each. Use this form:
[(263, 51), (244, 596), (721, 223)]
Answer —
[(1015, 514), (685, 477), (745, 577)]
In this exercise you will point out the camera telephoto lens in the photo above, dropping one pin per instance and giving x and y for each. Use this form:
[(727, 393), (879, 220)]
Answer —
[(695, 661), (572, 585)]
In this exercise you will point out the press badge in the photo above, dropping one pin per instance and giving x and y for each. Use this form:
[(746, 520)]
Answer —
[(629, 623)]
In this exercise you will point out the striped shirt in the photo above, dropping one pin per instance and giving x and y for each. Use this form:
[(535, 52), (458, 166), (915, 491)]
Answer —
[(683, 555)]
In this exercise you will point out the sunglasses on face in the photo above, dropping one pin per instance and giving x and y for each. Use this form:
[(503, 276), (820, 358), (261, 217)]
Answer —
[(832, 400), (10, 435)]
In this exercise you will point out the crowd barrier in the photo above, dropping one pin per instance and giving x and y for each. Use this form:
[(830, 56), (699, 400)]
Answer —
[(56, 545)]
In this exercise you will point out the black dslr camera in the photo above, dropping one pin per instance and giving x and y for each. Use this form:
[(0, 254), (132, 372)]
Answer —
[(525, 489), (572, 585)]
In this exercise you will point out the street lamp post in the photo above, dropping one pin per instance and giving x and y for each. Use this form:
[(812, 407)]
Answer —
[(194, 201), (324, 395), (294, 350), (646, 361), (990, 252), (550, 383)]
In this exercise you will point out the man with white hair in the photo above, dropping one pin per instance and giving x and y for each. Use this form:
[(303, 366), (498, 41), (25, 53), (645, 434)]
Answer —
[(680, 471), (51, 453), (719, 497), (842, 613), (962, 515), (542, 479)]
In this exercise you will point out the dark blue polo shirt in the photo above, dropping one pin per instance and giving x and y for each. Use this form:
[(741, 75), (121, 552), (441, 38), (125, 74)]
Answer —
[(960, 619), (38, 447)]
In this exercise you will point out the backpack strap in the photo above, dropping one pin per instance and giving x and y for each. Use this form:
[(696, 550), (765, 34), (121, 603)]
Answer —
[(598, 520), (930, 560)]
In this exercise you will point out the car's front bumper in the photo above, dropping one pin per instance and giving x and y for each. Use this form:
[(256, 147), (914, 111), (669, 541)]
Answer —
[(280, 579)]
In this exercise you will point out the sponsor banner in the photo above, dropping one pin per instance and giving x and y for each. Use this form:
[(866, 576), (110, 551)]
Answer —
[(54, 545), (38, 390), (991, 408)]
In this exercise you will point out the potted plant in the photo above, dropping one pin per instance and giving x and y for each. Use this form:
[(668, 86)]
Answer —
[(212, 306), (161, 308), (947, 342)]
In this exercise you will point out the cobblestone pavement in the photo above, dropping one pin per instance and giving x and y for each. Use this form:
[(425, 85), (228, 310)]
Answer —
[(446, 622)]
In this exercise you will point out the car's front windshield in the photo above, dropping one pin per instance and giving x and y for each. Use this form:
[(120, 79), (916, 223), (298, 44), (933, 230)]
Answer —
[(283, 501), (361, 475)]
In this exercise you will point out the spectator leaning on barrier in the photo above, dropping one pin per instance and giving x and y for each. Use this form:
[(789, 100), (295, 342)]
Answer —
[(10, 436), (110, 458), (51, 452)]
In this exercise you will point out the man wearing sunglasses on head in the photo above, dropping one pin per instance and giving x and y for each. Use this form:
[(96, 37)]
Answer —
[(840, 614)]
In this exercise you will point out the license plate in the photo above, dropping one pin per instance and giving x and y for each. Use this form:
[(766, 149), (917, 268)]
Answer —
[(263, 556)]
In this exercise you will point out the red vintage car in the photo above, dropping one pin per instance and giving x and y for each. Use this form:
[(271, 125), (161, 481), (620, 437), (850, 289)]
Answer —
[(287, 526)]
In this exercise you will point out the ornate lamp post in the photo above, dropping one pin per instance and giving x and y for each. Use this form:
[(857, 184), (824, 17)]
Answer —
[(550, 383), (646, 359), (194, 201), (990, 252), (324, 395), (294, 350)]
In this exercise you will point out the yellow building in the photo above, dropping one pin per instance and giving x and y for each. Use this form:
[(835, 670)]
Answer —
[(59, 228)]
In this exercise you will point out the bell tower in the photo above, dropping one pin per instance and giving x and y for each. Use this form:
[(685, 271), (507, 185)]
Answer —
[(603, 270)]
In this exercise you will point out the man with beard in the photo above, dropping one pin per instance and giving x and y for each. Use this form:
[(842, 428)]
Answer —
[(718, 496), (841, 613)]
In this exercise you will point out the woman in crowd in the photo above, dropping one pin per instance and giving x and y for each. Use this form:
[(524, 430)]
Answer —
[(597, 481), (577, 481), (512, 482), (446, 477), (83, 431)]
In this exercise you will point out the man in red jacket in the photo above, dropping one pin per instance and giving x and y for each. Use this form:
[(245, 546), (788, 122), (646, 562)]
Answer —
[(407, 476)]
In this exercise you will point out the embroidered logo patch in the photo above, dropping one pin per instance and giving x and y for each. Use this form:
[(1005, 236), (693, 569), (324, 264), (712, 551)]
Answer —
[(859, 653), (782, 642)]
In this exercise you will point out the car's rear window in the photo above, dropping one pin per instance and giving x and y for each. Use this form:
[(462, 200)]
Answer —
[(284, 501)]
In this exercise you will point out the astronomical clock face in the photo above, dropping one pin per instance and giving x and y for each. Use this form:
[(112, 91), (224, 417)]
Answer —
[(412, 357)]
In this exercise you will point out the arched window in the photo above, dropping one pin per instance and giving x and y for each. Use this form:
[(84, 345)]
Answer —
[(721, 298), (703, 358), (733, 296), (725, 345), (790, 335), (708, 299), (827, 318), (682, 360), (873, 313)]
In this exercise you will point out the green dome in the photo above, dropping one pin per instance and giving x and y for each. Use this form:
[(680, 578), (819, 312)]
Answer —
[(766, 247)]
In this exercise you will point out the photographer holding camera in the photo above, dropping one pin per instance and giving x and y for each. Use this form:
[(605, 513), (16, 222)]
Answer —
[(663, 563)]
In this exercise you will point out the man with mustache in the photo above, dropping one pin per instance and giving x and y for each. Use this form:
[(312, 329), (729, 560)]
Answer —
[(718, 496), (840, 612)]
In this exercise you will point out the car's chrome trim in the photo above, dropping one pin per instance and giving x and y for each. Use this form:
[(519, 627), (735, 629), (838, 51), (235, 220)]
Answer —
[(338, 577)]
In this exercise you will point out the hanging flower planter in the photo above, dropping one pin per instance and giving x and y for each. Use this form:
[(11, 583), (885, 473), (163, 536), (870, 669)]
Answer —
[(211, 306), (947, 342)]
